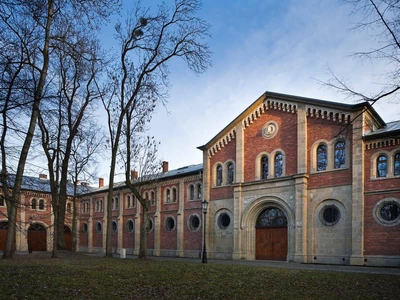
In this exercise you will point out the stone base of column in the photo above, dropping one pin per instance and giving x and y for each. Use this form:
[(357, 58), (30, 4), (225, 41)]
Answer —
[(356, 260)]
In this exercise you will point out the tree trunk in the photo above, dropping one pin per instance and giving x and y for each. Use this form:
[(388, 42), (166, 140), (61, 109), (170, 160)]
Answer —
[(144, 231)]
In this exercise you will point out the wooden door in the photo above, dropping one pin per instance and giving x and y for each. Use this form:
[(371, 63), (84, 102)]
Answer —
[(3, 237), (271, 243), (37, 238), (68, 238), (271, 235)]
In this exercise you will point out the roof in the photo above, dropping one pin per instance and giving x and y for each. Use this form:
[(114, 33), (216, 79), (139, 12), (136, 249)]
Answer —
[(183, 171), (391, 128), (296, 99), (43, 185)]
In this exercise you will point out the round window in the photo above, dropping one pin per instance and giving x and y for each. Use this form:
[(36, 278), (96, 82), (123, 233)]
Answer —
[(387, 212), (114, 227), (130, 226), (85, 227), (99, 227), (169, 223), (224, 220), (194, 222), (330, 215)]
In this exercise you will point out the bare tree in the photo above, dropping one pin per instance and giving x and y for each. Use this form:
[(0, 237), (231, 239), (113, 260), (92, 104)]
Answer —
[(30, 28), (139, 79), (85, 151), (381, 18)]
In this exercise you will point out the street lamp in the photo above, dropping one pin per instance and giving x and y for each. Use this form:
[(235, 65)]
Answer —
[(204, 206)]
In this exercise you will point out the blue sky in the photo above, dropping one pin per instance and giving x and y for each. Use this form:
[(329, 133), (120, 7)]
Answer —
[(258, 45)]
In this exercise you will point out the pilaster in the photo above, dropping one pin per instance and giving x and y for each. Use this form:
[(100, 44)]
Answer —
[(180, 220), (137, 226), (357, 214), (157, 221), (301, 221)]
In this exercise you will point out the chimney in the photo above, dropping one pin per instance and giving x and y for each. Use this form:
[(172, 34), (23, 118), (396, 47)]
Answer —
[(101, 182), (164, 166), (134, 175), (43, 176)]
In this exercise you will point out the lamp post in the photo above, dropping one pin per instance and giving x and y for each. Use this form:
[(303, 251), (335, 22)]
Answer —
[(204, 206)]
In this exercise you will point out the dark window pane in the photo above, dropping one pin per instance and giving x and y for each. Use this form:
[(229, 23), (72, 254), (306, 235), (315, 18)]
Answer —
[(264, 167), (231, 173), (322, 158), (381, 166), (278, 165), (390, 212), (396, 168), (340, 155), (219, 175)]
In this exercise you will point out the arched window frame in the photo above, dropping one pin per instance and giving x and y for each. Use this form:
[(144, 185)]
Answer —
[(264, 167), (33, 204), (167, 195), (174, 195), (152, 198), (396, 164), (219, 175), (191, 192), (69, 208), (230, 172), (322, 157), (382, 166), (42, 204), (258, 166), (278, 164), (340, 155), (199, 191)]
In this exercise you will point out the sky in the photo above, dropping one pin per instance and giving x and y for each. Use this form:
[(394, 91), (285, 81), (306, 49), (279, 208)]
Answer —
[(280, 46)]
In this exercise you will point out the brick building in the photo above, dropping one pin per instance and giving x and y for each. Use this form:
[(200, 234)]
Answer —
[(290, 178)]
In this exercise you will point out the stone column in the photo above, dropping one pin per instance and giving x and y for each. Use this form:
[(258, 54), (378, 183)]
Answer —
[(301, 224), (156, 225), (357, 214), (104, 233), (90, 224), (120, 220), (180, 221), (237, 195)]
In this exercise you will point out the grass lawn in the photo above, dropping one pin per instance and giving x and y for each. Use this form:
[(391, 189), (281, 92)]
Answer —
[(76, 276)]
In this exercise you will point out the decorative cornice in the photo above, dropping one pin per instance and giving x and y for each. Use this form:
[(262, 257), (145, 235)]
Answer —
[(267, 105), (222, 142), (328, 114), (383, 143)]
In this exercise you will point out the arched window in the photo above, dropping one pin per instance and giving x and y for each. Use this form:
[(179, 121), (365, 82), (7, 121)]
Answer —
[(199, 191), (168, 195), (322, 157), (128, 201), (153, 198), (87, 206), (41, 204), (113, 203), (174, 195), (381, 166), (101, 205), (219, 175), (396, 167), (33, 203), (231, 173), (340, 155), (264, 167), (191, 192), (278, 165), (116, 202), (146, 195), (69, 207)]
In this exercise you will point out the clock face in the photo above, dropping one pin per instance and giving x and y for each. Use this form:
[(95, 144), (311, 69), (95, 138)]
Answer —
[(269, 130)]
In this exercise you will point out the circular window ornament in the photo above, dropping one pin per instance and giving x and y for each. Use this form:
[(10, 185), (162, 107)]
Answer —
[(130, 226), (194, 222), (169, 224), (330, 215), (387, 212), (223, 220), (269, 130)]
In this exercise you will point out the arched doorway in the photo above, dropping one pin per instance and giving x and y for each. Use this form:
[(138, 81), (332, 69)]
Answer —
[(68, 237), (271, 235), (3, 235), (37, 238)]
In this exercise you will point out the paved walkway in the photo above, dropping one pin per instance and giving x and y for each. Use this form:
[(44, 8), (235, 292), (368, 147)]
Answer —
[(276, 264)]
